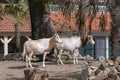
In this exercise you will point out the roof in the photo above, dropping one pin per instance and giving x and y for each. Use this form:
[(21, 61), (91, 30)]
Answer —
[(8, 22), (7, 25), (60, 23)]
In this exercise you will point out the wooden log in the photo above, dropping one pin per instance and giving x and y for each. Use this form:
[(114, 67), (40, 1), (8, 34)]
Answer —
[(102, 66), (101, 75), (110, 62), (112, 77), (36, 74), (84, 74), (118, 59)]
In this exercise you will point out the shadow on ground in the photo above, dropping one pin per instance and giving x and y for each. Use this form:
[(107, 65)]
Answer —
[(20, 67), (14, 78)]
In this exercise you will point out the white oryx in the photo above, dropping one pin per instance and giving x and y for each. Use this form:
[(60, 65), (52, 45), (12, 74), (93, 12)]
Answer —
[(74, 44), (41, 46)]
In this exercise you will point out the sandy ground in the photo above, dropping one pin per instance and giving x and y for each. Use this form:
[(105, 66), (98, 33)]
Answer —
[(13, 70)]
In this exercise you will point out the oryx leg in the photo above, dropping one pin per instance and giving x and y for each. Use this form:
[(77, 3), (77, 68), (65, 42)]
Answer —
[(59, 56), (44, 55), (74, 59), (56, 55), (30, 57), (27, 61), (76, 54)]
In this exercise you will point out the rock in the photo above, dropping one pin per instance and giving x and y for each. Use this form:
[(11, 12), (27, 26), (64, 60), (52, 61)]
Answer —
[(85, 63), (102, 59), (112, 77), (88, 57), (95, 63), (118, 59), (114, 70), (107, 70), (110, 62), (116, 63), (118, 77), (117, 68), (92, 78)]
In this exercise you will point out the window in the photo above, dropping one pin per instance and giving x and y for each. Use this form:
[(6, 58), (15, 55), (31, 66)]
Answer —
[(94, 1), (102, 9), (55, 8), (58, 8), (101, 0), (99, 8)]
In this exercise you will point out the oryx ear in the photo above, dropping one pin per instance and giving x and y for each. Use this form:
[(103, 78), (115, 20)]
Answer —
[(55, 34), (89, 37)]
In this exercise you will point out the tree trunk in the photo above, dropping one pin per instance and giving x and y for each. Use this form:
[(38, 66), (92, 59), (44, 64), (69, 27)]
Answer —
[(36, 74), (46, 30), (84, 74), (36, 12), (114, 46), (114, 7), (17, 37)]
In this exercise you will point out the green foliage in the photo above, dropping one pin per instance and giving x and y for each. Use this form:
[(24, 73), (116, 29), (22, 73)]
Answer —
[(19, 11), (47, 3), (1, 11)]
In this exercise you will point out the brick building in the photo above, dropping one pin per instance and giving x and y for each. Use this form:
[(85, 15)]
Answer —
[(101, 47)]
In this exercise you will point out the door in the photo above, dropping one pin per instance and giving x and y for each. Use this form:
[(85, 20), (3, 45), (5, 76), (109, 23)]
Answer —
[(100, 47)]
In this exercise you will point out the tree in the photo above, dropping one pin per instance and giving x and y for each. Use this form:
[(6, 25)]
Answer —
[(114, 7), (37, 10), (19, 11), (84, 10)]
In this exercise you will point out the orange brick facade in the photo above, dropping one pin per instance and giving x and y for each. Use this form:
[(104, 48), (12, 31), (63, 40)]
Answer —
[(61, 23)]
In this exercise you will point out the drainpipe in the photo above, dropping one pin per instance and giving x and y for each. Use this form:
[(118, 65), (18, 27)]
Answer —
[(107, 48)]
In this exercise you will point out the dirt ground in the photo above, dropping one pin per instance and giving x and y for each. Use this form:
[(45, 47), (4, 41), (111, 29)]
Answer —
[(13, 70)]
